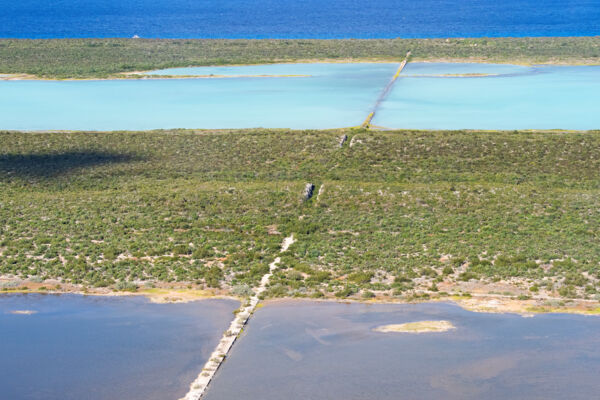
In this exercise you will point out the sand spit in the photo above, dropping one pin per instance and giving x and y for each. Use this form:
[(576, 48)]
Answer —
[(417, 327), (216, 76), (162, 294), (470, 75)]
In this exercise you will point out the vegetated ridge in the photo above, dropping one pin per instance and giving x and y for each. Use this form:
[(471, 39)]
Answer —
[(402, 215)]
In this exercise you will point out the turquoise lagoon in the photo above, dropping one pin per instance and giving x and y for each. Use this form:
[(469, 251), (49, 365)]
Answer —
[(548, 97), (332, 70), (444, 69), (332, 96), (314, 96)]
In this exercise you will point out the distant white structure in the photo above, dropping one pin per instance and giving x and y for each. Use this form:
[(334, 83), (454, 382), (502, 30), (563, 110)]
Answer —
[(135, 37)]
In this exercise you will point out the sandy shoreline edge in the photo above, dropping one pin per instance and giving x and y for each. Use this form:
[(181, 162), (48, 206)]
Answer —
[(143, 75), (483, 303)]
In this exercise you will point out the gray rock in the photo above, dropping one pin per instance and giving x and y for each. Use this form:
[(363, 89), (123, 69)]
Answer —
[(308, 191)]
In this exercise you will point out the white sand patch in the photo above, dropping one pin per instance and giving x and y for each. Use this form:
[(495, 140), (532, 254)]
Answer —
[(23, 312), (416, 327)]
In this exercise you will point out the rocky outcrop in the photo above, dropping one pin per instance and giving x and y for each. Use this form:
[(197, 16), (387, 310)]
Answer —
[(308, 191)]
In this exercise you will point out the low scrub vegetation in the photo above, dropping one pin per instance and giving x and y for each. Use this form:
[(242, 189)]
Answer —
[(402, 214), (101, 58)]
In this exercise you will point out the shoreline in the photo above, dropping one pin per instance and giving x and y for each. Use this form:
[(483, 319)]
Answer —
[(490, 304), (143, 75), (481, 303), (520, 63), (154, 295)]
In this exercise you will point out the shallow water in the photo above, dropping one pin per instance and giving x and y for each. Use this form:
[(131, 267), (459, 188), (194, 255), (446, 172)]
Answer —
[(297, 19), (334, 96), (441, 69), (311, 350), (336, 70), (519, 98), (100, 348), (324, 96)]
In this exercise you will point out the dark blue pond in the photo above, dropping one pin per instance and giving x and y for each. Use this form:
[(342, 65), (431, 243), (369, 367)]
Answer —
[(297, 18), (308, 350), (99, 348)]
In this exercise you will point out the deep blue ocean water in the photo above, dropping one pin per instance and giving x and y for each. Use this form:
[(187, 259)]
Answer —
[(297, 18)]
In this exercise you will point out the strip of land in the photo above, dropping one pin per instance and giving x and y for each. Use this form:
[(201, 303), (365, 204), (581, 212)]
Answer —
[(496, 221), (110, 58)]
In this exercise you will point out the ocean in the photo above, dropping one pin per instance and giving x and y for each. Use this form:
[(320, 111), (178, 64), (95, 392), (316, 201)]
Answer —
[(297, 18)]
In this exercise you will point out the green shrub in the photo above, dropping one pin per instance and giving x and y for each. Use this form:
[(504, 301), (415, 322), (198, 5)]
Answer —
[(467, 276), (242, 291), (360, 277), (367, 294), (126, 286), (345, 292)]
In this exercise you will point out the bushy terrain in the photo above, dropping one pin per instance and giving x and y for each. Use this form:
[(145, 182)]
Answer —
[(404, 214), (100, 58)]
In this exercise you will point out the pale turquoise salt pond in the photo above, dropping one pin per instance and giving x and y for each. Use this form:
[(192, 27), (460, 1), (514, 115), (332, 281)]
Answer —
[(518, 98), (336, 70), (333, 96), (320, 96), (442, 69)]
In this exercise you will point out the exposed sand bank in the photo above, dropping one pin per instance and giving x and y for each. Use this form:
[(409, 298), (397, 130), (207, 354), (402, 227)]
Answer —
[(160, 294), (417, 327), (23, 312)]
